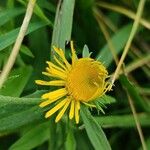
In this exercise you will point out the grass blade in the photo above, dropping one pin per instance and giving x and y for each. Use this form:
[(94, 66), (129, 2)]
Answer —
[(8, 14), (63, 23), (10, 37), (123, 121), (118, 40), (133, 92)]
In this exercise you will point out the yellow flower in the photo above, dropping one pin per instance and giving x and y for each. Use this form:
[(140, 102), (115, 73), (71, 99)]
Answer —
[(80, 82)]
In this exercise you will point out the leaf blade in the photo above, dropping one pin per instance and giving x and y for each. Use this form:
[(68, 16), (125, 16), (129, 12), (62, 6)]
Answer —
[(18, 112), (63, 23), (30, 139), (10, 37), (8, 14), (94, 131), (118, 40)]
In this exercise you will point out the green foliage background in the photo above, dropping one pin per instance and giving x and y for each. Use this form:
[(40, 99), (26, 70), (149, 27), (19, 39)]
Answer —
[(22, 122)]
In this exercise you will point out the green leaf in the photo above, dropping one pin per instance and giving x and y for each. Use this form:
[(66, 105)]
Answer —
[(86, 52), (18, 112), (123, 121), (8, 14), (63, 23), (94, 131), (70, 143), (106, 99), (10, 37), (16, 82), (38, 11), (102, 101), (48, 5), (133, 92), (33, 138), (40, 45), (118, 40), (3, 58), (25, 50), (82, 141), (37, 93)]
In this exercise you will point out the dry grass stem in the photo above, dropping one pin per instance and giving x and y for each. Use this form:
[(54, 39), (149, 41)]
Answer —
[(16, 47)]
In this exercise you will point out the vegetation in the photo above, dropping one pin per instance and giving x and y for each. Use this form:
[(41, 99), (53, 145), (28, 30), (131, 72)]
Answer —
[(116, 33)]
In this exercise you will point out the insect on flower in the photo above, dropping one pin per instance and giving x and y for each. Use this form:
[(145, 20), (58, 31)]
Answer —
[(80, 82)]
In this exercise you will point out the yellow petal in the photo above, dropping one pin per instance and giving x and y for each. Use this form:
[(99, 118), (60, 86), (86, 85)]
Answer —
[(62, 55), (77, 108), (71, 113), (59, 63), (54, 109), (50, 64), (56, 73), (57, 50), (74, 56), (47, 74), (55, 94), (47, 102), (61, 113), (53, 83)]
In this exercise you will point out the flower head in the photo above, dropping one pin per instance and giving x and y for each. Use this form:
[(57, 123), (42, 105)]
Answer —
[(80, 82)]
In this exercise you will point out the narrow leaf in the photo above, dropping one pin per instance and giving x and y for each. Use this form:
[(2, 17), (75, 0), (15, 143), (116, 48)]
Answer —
[(123, 121), (63, 23), (18, 79), (94, 131), (25, 50), (38, 11), (10, 37), (33, 138), (118, 40), (138, 100), (8, 14), (70, 143), (106, 99), (18, 112)]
